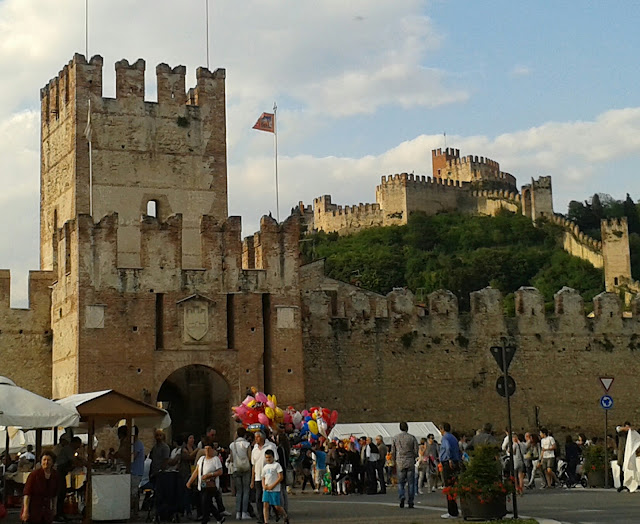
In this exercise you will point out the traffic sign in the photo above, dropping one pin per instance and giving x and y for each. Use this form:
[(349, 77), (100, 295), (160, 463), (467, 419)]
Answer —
[(509, 352), (606, 383), (509, 389), (606, 402)]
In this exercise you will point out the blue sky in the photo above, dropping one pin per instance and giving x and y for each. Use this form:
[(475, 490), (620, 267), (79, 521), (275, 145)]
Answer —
[(364, 88)]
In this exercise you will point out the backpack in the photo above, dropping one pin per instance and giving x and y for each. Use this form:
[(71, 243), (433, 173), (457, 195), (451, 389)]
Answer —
[(240, 460)]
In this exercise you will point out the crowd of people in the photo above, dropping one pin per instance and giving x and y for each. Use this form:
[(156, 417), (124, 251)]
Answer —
[(262, 468)]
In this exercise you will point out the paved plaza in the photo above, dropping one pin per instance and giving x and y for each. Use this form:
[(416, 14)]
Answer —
[(575, 506)]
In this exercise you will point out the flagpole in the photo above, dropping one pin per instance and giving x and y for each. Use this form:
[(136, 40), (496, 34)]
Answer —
[(86, 29), (206, 3), (90, 163), (275, 136)]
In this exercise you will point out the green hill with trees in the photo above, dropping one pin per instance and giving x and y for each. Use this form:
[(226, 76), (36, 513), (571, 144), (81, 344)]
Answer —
[(462, 253)]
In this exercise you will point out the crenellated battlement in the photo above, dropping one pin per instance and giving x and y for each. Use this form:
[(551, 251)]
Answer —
[(573, 228), (501, 194), (416, 181), (80, 78)]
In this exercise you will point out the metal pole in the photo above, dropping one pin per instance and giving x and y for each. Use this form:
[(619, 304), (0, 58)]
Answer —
[(506, 387), (275, 134), (207, 24), (86, 28), (606, 461)]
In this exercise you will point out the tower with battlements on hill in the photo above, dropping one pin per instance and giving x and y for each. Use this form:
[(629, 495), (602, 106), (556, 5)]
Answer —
[(468, 184)]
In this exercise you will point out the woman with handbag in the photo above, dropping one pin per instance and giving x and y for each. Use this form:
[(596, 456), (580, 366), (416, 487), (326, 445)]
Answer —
[(208, 469), (240, 458)]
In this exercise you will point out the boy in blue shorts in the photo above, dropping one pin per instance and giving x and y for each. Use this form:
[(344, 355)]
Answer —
[(272, 476)]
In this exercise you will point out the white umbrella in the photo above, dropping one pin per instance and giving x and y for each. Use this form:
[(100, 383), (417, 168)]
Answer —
[(23, 409)]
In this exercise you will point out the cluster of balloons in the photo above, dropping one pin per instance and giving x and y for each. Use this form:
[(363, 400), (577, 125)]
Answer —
[(261, 409), (315, 421)]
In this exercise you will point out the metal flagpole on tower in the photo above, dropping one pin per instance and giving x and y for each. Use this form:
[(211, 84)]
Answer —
[(87, 134), (206, 3), (86, 29), (275, 137)]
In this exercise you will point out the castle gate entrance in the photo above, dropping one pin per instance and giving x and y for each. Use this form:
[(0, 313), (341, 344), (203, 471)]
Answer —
[(196, 397)]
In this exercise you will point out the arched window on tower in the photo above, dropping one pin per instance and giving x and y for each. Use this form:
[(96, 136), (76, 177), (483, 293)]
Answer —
[(152, 208)]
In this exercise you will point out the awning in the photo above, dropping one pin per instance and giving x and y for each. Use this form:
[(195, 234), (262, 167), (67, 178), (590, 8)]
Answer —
[(387, 430), (112, 406), (23, 409)]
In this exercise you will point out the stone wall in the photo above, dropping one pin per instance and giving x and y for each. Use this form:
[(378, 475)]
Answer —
[(385, 359), (25, 334)]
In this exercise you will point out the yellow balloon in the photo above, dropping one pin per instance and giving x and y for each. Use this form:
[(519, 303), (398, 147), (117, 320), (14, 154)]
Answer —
[(251, 403), (279, 415), (314, 415), (313, 426), (269, 413), (273, 399)]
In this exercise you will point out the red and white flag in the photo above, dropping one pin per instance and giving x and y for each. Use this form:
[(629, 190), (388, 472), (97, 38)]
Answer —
[(266, 122)]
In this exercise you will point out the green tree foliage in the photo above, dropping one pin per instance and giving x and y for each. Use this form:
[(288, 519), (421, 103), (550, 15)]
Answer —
[(461, 253)]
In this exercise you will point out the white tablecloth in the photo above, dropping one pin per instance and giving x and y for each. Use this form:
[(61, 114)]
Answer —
[(111, 497)]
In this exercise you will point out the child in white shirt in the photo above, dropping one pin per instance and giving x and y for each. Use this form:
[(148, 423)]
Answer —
[(272, 477)]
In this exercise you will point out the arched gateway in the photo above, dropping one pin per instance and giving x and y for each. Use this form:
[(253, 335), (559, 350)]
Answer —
[(197, 396)]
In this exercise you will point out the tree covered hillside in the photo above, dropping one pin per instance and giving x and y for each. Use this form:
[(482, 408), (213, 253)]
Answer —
[(461, 253)]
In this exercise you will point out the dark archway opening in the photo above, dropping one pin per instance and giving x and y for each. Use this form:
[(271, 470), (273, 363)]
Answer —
[(197, 397)]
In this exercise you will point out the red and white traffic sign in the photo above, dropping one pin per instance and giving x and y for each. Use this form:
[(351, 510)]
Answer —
[(606, 383)]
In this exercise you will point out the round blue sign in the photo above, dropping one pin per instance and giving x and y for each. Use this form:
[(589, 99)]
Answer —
[(606, 402)]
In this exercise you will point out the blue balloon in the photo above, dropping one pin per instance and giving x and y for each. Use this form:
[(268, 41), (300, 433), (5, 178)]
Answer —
[(308, 418)]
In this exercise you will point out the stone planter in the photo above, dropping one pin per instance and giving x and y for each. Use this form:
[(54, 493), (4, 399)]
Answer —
[(596, 479), (473, 509)]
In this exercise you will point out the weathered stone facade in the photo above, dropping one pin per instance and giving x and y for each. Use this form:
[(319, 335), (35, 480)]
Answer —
[(147, 287)]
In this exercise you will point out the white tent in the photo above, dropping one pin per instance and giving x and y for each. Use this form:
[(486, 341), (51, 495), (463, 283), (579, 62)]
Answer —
[(387, 430), (19, 440), (23, 409)]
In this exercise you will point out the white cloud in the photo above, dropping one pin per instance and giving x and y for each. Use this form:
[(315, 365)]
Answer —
[(521, 70)]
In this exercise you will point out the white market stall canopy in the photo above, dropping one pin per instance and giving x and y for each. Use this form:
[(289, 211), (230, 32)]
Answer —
[(112, 406), (21, 408), (387, 430)]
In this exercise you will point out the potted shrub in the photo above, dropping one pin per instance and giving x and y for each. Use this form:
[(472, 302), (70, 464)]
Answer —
[(481, 488), (593, 465)]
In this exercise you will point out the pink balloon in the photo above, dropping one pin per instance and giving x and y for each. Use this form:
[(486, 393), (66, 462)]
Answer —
[(270, 404), (263, 419), (261, 397), (288, 419), (241, 410), (305, 413), (247, 400)]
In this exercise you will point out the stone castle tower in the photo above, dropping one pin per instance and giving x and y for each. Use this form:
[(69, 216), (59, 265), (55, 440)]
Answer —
[(150, 293)]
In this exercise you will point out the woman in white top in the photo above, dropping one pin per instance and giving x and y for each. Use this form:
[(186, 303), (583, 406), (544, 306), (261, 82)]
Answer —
[(208, 469), (241, 458)]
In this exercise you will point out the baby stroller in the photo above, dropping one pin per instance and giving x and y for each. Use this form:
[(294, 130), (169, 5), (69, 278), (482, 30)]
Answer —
[(164, 502), (565, 480)]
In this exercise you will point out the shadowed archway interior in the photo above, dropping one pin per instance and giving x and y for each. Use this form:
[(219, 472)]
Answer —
[(196, 397)]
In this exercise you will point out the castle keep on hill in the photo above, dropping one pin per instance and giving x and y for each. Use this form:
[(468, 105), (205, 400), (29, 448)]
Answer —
[(146, 286), (474, 185)]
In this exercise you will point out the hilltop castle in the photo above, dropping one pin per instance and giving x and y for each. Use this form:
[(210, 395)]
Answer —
[(473, 185), (146, 286)]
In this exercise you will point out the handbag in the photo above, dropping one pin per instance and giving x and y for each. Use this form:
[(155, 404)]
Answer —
[(289, 477), (231, 467)]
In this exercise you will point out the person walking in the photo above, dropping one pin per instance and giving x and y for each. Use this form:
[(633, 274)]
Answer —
[(450, 460), (548, 446), (208, 469), (241, 458), (257, 463), (404, 449)]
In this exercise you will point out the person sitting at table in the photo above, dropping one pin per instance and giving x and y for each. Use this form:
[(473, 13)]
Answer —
[(40, 492)]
